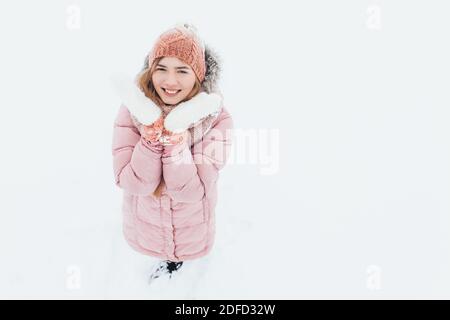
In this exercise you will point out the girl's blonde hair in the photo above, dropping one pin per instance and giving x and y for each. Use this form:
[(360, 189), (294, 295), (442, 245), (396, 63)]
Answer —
[(145, 83)]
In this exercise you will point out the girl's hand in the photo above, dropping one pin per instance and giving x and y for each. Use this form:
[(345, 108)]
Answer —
[(168, 138), (154, 131)]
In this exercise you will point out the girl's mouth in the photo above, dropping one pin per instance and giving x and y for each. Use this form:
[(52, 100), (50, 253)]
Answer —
[(171, 93)]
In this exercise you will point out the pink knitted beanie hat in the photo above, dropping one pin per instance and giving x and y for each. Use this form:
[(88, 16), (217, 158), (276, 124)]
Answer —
[(183, 43)]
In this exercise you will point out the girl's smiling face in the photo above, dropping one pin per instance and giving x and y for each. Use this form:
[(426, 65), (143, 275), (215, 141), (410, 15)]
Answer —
[(173, 80)]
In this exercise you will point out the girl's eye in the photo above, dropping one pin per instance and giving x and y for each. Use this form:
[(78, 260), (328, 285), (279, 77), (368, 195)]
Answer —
[(165, 70)]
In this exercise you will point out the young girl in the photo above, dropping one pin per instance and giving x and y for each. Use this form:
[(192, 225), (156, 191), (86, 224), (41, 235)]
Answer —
[(171, 137)]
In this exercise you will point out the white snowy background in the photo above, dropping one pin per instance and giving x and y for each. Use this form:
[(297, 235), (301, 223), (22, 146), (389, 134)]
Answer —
[(341, 189)]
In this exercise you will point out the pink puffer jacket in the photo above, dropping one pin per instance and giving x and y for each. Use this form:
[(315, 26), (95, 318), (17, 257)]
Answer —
[(181, 224)]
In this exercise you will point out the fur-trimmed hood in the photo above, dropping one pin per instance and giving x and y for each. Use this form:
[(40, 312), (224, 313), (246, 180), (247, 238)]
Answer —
[(206, 105)]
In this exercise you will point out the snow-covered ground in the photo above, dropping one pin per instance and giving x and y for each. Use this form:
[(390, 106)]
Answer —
[(346, 105)]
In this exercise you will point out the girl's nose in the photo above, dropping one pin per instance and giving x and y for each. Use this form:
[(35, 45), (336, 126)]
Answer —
[(171, 80)]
